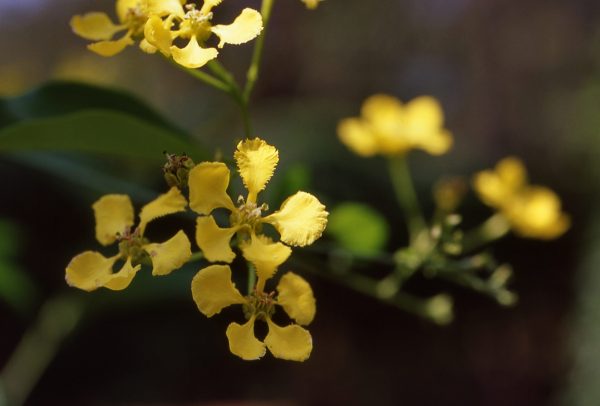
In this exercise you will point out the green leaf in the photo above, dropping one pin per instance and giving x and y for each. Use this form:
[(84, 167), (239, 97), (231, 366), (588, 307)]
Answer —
[(358, 228), (98, 132), (63, 97)]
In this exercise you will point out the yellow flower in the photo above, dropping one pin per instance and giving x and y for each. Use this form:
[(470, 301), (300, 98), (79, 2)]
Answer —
[(213, 290), (388, 127), (114, 218), (532, 211), (300, 220), (311, 4), (132, 17), (196, 27)]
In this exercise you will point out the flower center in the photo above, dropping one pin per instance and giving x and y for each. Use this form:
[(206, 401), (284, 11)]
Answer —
[(136, 18), (196, 23), (248, 213), (260, 305), (130, 246)]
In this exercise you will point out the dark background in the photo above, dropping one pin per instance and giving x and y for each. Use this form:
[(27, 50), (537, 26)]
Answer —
[(514, 77)]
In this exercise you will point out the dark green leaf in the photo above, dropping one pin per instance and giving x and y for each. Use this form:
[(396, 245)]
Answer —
[(95, 131)]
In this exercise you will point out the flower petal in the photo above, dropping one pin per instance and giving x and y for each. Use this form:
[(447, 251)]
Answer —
[(169, 255), (497, 187), (536, 213), (213, 240), (213, 290), (114, 215), (90, 270), (208, 5), (94, 26), (297, 299), (385, 113), (120, 280), (208, 182), (437, 143), (291, 343), (193, 55), (244, 28), (111, 48), (311, 4), (243, 342), (165, 204), (123, 8), (256, 161), (147, 47), (300, 220), (158, 35), (358, 136), (265, 255), (165, 7)]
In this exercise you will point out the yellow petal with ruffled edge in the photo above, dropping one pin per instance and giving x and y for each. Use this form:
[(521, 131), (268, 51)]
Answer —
[(114, 215), (169, 255), (265, 255), (123, 278), (95, 26), (300, 220), (256, 161), (243, 342), (158, 35), (213, 290), (193, 55), (208, 182), (208, 5), (297, 299), (357, 136), (244, 28), (111, 48), (292, 343), (213, 240), (536, 213), (165, 204), (90, 270)]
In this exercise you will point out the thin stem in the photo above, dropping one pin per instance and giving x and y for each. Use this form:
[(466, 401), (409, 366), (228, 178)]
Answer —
[(406, 196), (251, 277), (253, 70), (57, 318), (491, 230), (203, 77), (196, 256)]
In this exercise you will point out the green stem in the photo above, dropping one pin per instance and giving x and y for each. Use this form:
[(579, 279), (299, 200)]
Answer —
[(406, 196), (196, 256), (491, 230), (253, 70), (203, 77), (251, 277), (57, 318)]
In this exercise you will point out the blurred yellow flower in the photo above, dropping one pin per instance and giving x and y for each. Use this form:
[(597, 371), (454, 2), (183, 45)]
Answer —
[(300, 220), (195, 26), (311, 4), (132, 17), (213, 290), (388, 127), (532, 211), (114, 218)]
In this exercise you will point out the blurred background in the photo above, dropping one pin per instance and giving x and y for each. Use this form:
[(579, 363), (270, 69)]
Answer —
[(514, 77)]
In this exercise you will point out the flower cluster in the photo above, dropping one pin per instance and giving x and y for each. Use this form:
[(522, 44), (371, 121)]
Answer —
[(532, 211), (160, 25), (388, 127), (300, 220)]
